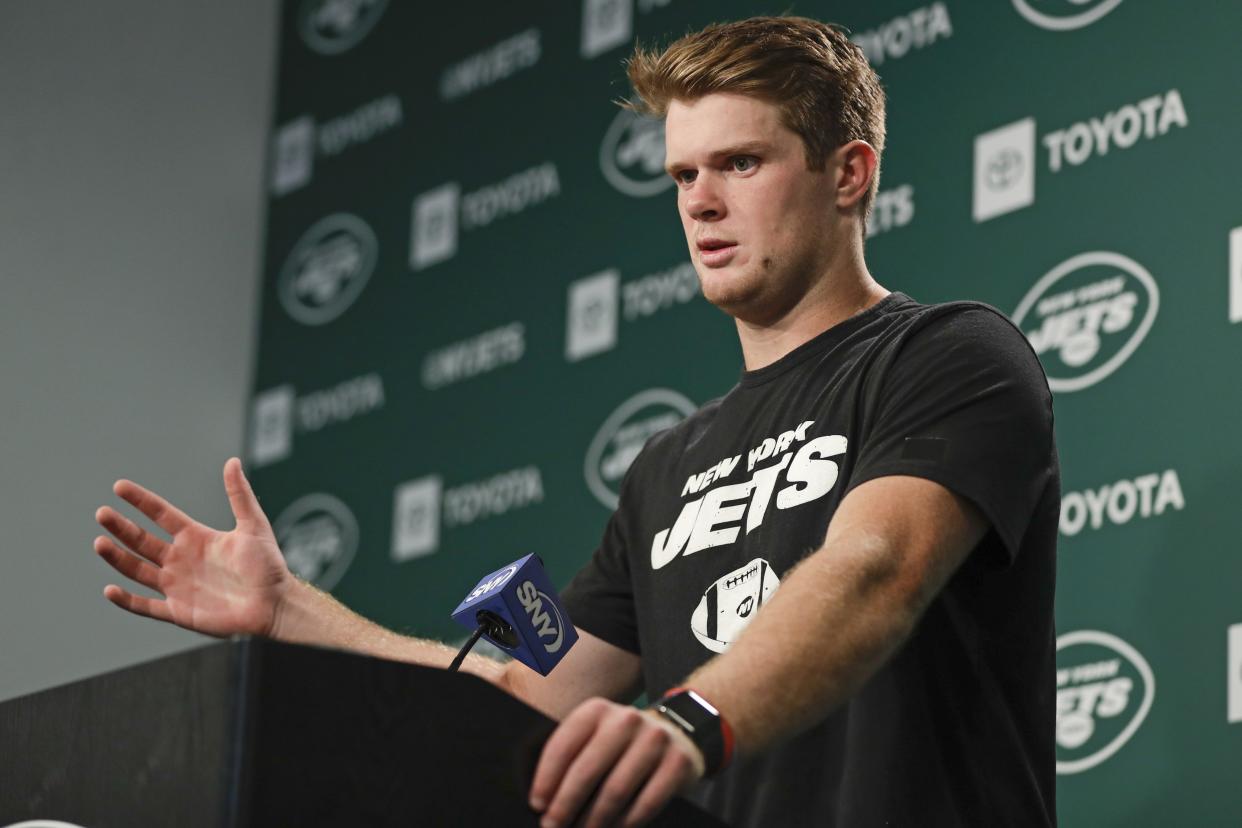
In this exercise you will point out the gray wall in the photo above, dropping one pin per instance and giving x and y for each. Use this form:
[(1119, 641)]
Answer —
[(132, 139)]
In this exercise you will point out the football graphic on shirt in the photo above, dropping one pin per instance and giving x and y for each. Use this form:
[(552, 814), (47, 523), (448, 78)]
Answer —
[(731, 602)]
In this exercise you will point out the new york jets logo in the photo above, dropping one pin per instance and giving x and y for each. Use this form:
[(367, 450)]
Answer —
[(1062, 15), (330, 27), (1104, 691), (319, 537), (1087, 316), (327, 269), (632, 155), (623, 435)]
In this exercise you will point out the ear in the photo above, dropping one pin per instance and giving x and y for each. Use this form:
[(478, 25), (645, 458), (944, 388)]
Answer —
[(855, 165)]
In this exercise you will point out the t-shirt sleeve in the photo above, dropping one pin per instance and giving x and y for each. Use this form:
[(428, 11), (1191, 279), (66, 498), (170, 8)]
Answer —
[(600, 597), (963, 401)]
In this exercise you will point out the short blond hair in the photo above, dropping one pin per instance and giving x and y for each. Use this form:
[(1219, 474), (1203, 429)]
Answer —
[(826, 91)]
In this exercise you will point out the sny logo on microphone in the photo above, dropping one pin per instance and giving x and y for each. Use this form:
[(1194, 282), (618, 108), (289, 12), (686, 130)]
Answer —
[(532, 600)]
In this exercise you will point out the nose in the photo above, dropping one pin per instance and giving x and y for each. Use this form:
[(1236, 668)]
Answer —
[(703, 201)]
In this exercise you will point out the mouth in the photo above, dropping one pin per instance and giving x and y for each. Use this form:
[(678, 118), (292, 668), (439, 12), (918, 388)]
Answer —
[(716, 252)]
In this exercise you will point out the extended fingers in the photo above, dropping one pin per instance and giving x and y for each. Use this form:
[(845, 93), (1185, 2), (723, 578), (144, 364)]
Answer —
[(165, 515), (137, 604), (131, 534), (131, 566)]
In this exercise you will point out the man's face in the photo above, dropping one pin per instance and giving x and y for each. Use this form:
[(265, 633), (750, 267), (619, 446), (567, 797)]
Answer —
[(761, 227)]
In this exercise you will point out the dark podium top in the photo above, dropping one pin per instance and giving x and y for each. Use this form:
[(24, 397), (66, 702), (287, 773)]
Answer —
[(252, 732)]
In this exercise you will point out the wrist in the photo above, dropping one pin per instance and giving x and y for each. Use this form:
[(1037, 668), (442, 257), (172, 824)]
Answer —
[(296, 610), (701, 723), (679, 737)]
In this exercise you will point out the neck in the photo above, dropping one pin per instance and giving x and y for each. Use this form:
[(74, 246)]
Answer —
[(845, 292)]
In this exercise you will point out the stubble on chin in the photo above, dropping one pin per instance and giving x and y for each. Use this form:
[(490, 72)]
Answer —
[(758, 297), (732, 294)]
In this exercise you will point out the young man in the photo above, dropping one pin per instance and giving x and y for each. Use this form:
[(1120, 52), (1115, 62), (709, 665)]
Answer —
[(885, 488)]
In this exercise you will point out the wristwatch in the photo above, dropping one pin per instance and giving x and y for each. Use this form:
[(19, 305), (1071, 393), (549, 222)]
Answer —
[(701, 721)]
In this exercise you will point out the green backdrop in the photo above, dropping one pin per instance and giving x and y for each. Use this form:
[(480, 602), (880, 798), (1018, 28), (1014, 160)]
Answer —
[(477, 304)]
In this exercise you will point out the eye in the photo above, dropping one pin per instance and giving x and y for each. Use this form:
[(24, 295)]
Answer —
[(743, 163), (685, 176)]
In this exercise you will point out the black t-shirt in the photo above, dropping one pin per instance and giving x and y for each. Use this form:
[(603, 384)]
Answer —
[(957, 727)]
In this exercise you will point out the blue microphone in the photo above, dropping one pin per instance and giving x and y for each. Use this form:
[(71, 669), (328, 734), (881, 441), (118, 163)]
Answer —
[(517, 609)]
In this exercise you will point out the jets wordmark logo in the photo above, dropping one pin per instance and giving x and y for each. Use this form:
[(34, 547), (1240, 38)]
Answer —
[(318, 535), (1087, 316), (631, 156), (1105, 689), (623, 435), (327, 269)]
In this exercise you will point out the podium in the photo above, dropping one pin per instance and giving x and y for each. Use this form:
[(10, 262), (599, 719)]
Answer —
[(251, 732)]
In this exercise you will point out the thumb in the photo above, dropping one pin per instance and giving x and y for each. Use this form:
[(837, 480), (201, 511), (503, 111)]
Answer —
[(242, 500)]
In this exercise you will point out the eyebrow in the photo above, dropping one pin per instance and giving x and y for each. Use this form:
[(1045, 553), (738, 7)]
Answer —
[(744, 148)]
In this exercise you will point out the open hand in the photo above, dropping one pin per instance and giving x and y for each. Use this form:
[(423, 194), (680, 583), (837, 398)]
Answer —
[(635, 759), (218, 583)]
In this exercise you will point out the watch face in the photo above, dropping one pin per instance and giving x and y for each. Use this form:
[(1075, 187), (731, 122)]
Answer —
[(675, 717), (698, 720)]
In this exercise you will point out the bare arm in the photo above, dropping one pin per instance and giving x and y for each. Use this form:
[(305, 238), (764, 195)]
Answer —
[(892, 545), (237, 582), (308, 615), (592, 667)]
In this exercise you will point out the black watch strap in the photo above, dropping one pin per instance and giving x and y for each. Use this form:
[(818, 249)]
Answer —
[(702, 722)]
